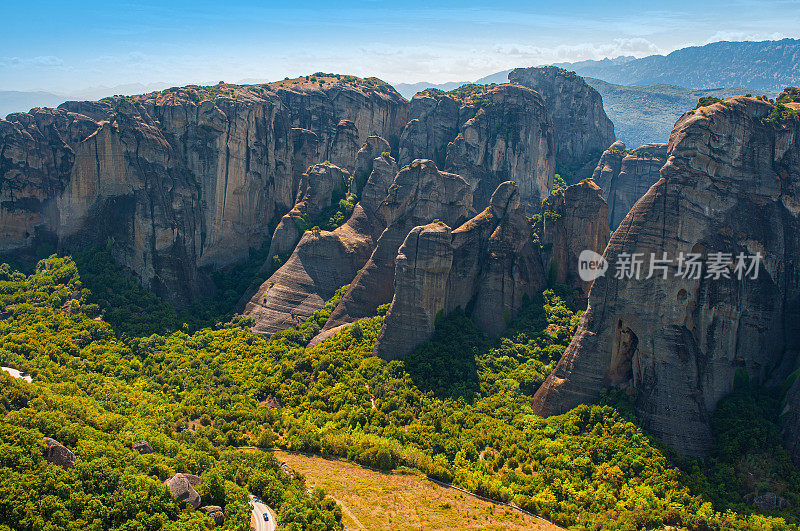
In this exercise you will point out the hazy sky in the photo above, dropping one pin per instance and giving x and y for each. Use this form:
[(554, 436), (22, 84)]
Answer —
[(64, 46)]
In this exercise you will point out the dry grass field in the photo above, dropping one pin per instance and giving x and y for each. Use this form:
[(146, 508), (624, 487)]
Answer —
[(403, 501)]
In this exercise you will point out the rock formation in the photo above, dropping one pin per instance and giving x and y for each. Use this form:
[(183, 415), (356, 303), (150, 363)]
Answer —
[(143, 447), (319, 186), (791, 416), (731, 184), (215, 512), (423, 264), (58, 454), (574, 219), (325, 261), (181, 487), (486, 134), (486, 267), (182, 180), (373, 147), (420, 194), (581, 128), (625, 176)]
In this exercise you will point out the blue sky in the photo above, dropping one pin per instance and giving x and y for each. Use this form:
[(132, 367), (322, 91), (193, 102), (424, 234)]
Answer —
[(68, 46)]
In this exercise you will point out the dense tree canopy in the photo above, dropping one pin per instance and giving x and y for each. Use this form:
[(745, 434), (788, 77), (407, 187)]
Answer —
[(458, 409)]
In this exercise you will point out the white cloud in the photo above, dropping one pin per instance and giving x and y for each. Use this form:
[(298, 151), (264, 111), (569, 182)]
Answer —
[(39, 61)]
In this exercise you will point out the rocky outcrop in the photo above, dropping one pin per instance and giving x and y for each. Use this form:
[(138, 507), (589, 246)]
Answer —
[(487, 266), (486, 134), (574, 219), (436, 120), (423, 265), (625, 176), (731, 184), (143, 447), (790, 416), (419, 194), (373, 147), (581, 128), (319, 186), (58, 454), (181, 487), (215, 512), (183, 180), (325, 261)]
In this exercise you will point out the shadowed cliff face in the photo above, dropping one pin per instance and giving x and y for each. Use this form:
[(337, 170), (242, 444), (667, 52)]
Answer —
[(581, 128), (486, 134), (182, 180), (625, 176), (731, 184), (324, 261)]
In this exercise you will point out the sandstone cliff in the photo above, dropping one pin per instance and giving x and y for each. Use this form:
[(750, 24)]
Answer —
[(581, 128), (486, 134), (574, 219), (323, 262), (420, 194), (731, 184), (486, 266), (625, 176), (184, 179), (318, 187)]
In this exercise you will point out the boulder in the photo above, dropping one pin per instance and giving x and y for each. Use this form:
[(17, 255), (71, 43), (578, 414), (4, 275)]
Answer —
[(215, 512), (143, 447), (58, 454), (181, 487), (731, 184)]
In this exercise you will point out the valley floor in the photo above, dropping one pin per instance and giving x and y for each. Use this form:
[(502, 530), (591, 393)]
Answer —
[(403, 501)]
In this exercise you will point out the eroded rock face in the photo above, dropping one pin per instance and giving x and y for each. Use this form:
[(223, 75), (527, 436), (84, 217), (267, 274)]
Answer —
[(420, 194), (574, 219), (181, 487), (143, 447), (423, 265), (181, 180), (215, 512), (486, 266), (731, 184), (625, 176), (581, 128), (58, 454), (486, 134), (791, 418), (373, 147), (318, 187), (436, 119), (363, 249)]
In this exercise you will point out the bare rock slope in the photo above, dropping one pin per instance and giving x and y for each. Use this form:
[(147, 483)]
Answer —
[(582, 130), (731, 184), (184, 179), (625, 176)]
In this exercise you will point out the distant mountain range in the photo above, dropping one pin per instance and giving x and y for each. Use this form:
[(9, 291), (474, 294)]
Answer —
[(644, 97), (766, 66)]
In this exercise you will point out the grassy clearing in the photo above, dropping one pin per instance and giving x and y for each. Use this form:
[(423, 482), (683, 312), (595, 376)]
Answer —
[(403, 500)]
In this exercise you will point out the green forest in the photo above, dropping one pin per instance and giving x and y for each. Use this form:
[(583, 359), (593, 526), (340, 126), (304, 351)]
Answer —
[(112, 364)]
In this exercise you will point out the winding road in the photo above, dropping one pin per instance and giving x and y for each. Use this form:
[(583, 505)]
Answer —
[(257, 522)]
